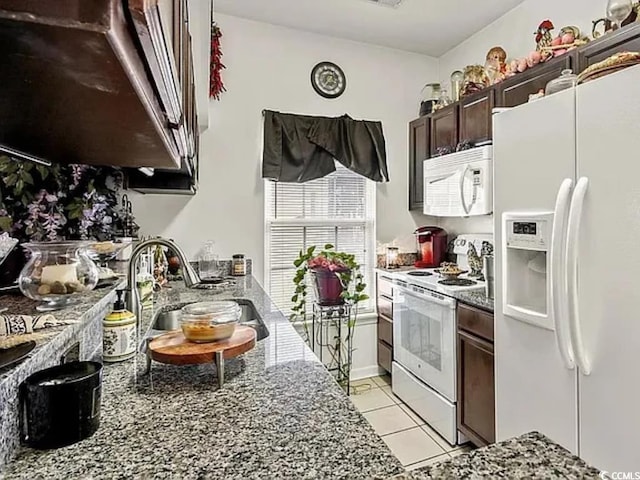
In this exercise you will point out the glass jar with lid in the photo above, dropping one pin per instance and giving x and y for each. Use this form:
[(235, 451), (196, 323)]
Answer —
[(205, 322), (457, 79), (239, 265), (208, 261), (566, 80)]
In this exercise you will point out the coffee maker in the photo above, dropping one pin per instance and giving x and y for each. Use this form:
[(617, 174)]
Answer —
[(431, 243)]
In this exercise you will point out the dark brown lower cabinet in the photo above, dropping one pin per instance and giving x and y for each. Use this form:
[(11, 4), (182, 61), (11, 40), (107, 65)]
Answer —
[(385, 356), (384, 296), (476, 385)]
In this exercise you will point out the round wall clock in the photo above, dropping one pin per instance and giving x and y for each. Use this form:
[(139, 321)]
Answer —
[(328, 80)]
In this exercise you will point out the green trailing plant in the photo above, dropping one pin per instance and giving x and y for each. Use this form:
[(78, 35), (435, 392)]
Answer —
[(347, 269), (344, 265)]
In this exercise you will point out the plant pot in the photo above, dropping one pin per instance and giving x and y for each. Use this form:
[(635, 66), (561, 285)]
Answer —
[(328, 287)]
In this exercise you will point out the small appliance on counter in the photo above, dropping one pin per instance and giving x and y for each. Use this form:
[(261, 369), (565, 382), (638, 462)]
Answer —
[(431, 243), (60, 405)]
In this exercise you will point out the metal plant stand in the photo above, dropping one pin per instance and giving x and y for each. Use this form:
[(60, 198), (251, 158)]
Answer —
[(332, 331)]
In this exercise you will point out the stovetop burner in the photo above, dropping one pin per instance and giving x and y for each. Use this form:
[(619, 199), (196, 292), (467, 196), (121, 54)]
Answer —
[(458, 282), (420, 274)]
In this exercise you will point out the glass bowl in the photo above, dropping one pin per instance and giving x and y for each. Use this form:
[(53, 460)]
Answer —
[(103, 252), (57, 273), (206, 322)]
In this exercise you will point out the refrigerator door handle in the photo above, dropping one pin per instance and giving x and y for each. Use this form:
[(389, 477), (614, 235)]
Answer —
[(465, 207), (558, 284), (573, 233)]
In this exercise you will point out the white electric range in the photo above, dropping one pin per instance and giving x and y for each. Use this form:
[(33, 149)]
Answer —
[(424, 339)]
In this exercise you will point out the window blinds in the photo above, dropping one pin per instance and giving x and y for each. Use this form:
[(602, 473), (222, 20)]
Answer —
[(337, 209)]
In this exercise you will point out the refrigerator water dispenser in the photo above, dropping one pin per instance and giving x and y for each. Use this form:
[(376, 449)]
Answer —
[(527, 270)]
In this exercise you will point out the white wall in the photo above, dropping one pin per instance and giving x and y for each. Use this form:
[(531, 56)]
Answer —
[(268, 67), (514, 31)]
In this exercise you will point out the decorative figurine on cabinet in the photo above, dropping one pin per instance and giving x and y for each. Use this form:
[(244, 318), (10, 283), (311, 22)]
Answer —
[(475, 79), (543, 35), (496, 65)]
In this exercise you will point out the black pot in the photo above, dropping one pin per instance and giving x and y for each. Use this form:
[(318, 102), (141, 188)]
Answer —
[(60, 405)]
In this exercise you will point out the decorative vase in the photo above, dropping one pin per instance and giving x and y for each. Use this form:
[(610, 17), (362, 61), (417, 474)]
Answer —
[(58, 273), (328, 287)]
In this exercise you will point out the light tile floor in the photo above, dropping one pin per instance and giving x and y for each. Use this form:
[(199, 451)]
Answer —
[(412, 441)]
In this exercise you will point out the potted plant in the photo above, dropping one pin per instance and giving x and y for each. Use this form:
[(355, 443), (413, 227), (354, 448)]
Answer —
[(339, 287), (336, 278)]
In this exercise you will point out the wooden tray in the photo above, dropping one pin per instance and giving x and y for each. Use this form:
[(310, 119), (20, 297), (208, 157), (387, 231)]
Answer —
[(174, 349)]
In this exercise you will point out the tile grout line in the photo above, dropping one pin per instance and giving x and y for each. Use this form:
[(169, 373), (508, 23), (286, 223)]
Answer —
[(425, 459), (436, 440), (399, 431), (378, 408)]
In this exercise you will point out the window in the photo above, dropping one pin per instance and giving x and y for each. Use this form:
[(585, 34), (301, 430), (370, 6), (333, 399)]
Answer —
[(337, 209)]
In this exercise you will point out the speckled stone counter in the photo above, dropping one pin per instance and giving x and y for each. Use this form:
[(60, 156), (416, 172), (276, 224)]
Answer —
[(531, 456), (84, 327), (279, 415), (475, 298)]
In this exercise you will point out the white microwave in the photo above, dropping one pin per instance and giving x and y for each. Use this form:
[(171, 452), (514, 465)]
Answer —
[(459, 184)]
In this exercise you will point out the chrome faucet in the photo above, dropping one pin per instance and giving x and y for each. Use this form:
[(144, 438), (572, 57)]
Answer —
[(189, 275)]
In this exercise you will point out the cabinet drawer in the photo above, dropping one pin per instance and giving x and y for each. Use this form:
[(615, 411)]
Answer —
[(475, 321), (385, 330), (385, 307), (385, 287), (385, 356)]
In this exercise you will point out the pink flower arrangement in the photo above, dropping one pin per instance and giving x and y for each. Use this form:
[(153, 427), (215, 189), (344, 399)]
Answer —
[(321, 262)]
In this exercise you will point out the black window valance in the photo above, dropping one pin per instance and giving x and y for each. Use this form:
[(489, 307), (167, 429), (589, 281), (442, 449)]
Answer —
[(299, 148)]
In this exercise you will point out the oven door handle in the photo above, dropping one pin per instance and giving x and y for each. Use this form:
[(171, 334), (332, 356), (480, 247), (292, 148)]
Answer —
[(429, 297)]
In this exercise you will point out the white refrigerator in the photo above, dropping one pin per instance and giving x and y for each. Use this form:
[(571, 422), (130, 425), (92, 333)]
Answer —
[(567, 236)]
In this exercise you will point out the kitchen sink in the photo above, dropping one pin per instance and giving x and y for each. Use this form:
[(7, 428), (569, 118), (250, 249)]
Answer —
[(170, 320)]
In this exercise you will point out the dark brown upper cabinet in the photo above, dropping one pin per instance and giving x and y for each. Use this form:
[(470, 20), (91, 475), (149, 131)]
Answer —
[(444, 128), (419, 133), (624, 39), (516, 90), (171, 23), (92, 82), (475, 116)]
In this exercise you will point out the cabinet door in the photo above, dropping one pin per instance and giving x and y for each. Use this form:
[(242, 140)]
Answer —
[(153, 22), (385, 356), (444, 128), (625, 39), (516, 90), (418, 153), (476, 390), (475, 117)]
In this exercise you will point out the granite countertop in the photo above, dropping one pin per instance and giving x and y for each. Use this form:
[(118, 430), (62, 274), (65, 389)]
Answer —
[(74, 316), (50, 343), (475, 298), (531, 456), (279, 414)]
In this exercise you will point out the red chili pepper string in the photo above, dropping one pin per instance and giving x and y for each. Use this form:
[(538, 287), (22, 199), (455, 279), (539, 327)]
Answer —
[(216, 85)]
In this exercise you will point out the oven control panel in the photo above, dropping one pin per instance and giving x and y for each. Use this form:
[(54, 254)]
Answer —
[(528, 231)]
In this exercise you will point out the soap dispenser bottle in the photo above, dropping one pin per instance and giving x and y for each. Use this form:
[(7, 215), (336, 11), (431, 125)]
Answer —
[(119, 333)]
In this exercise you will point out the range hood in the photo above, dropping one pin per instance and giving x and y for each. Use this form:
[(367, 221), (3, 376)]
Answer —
[(77, 87)]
